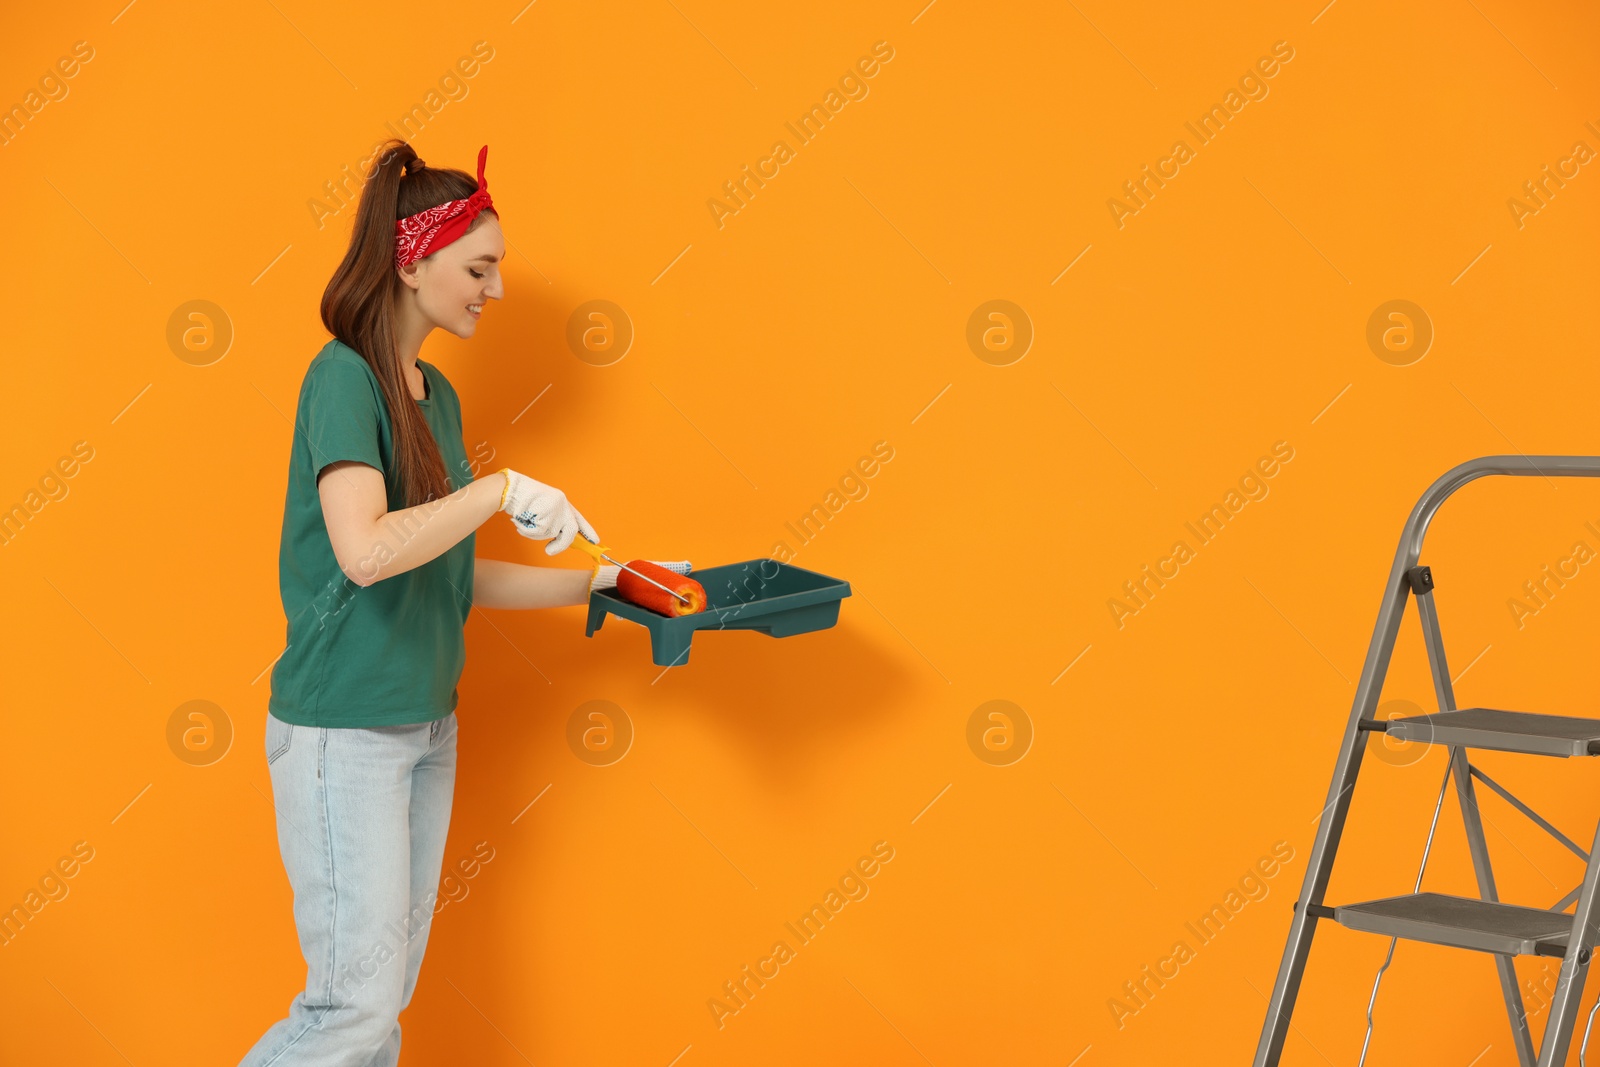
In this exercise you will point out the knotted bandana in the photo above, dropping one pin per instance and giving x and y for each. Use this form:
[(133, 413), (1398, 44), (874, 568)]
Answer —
[(428, 231)]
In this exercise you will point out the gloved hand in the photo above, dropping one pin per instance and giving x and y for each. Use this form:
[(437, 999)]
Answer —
[(542, 512), (606, 576)]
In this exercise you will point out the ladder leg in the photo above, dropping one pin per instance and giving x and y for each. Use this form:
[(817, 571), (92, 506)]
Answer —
[(1319, 866), (1471, 818), (1301, 928), (1574, 967), (1479, 848)]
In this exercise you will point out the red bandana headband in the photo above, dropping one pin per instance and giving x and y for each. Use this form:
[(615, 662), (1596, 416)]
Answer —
[(428, 231)]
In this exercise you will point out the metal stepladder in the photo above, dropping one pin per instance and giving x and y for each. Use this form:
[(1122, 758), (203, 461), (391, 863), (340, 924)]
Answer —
[(1482, 923)]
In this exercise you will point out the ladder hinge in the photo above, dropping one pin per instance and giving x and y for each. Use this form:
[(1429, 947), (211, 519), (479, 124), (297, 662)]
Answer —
[(1421, 580)]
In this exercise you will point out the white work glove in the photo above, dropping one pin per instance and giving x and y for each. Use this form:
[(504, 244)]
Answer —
[(542, 512), (606, 576)]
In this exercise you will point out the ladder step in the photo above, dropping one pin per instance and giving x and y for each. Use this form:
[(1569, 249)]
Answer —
[(1505, 731), (1462, 922)]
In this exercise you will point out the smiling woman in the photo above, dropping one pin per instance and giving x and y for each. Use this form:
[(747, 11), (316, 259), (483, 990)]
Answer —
[(377, 574)]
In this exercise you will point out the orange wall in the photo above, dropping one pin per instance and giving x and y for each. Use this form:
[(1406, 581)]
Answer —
[(774, 346)]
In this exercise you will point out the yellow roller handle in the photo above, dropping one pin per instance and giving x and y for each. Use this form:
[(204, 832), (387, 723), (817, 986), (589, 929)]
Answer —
[(594, 549), (598, 552)]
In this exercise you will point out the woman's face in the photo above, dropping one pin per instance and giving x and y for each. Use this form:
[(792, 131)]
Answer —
[(453, 284)]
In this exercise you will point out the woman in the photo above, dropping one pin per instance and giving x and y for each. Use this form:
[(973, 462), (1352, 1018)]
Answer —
[(377, 576)]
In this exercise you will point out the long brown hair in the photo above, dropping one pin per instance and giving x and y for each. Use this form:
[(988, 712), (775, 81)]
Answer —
[(358, 306)]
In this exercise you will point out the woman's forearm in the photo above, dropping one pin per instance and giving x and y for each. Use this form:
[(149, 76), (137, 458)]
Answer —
[(499, 584), (410, 537)]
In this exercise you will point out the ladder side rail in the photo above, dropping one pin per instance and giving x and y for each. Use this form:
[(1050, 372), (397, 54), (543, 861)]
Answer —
[(1319, 865)]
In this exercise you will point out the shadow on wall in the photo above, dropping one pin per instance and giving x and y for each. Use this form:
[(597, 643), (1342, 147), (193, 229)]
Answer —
[(778, 700)]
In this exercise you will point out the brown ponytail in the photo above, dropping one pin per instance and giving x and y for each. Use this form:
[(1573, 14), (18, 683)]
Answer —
[(358, 306)]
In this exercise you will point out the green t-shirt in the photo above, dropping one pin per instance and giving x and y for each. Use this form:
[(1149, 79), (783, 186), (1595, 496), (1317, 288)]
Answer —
[(389, 653)]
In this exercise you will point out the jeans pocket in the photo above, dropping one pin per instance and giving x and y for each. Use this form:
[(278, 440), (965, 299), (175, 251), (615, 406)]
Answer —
[(279, 734)]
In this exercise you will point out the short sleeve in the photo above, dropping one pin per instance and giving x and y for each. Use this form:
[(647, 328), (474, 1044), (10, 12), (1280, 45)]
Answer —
[(342, 419)]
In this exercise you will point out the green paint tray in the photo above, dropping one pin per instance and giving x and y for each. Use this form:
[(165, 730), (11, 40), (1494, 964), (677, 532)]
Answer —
[(777, 599)]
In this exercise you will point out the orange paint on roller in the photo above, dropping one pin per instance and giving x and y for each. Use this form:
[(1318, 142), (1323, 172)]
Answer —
[(636, 590)]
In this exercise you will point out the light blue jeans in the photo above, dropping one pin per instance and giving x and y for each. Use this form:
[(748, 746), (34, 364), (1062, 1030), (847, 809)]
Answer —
[(362, 819)]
